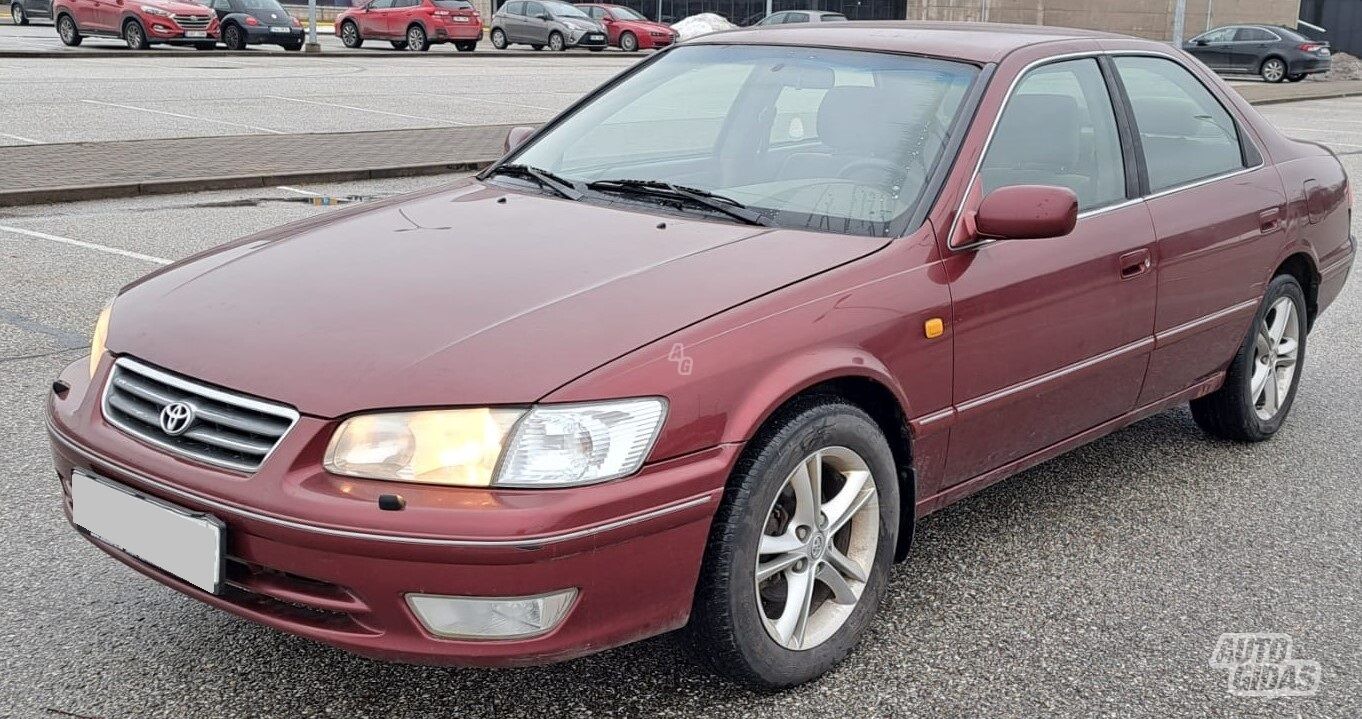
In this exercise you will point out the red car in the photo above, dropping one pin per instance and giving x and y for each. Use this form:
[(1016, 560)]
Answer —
[(627, 29), (700, 351), (139, 24), (412, 24)]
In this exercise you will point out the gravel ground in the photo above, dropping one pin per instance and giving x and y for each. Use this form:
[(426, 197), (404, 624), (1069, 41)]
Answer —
[(1094, 585)]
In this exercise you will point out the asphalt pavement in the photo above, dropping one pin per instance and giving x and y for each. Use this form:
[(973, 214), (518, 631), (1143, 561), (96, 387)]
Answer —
[(1095, 585)]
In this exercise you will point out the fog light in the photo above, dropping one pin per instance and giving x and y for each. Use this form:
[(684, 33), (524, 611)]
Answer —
[(491, 617)]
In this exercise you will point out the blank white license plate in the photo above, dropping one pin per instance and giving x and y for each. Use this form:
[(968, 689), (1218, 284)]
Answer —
[(280, 29), (186, 544), (196, 33)]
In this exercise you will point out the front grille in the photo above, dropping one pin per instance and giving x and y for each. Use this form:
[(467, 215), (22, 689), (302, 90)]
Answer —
[(192, 22), (216, 426)]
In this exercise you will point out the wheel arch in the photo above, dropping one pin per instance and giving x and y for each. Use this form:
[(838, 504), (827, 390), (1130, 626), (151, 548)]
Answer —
[(1302, 266), (1269, 56), (416, 23)]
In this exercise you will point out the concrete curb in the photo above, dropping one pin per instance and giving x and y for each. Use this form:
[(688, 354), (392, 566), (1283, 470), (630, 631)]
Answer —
[(355, 54), (47, 195), (1276, 94)]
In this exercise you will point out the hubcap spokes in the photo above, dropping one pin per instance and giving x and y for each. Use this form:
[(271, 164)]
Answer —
[(817, 548), (1275, 352)]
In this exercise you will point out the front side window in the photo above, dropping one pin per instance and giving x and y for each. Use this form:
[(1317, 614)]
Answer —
[(1059, 128), (835, 140), (1186, 134), (1224, 34)]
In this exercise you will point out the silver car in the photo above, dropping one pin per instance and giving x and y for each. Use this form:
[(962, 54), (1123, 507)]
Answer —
[(540, 23)]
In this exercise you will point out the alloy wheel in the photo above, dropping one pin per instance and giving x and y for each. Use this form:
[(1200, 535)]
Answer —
[(628, 42), (416, 39), (1274, 70), (1276, 347), (66, 27), (132, 34), (556, 42), (16, 13), (349, 34), (817, 548)]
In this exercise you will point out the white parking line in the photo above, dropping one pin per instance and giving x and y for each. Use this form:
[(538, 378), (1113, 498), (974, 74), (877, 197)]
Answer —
[(365, 109), (22, 139), (186, 117), (87, 245)]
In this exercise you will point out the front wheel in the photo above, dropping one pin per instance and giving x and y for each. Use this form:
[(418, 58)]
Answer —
[(1273, 69), (350, 35), (234, 38), (67, 30), (1263, 376), (466, 45), (499, 38), (556, 41), (800, 549), (416, 39), (16, 13), (629, 42), (135, 36)]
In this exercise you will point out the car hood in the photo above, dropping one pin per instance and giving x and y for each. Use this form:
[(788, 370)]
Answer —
[(181, 8), (467, 295), (645, 26), (579, 23)]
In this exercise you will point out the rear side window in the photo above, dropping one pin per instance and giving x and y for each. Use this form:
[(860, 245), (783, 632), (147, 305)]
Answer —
[(796, 17), (1254, 34), (834, 18), (1187, 135), (1059, 128), (454, 4)]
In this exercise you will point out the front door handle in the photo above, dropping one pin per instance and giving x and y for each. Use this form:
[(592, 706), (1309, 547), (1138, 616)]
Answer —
[(1134, 264)]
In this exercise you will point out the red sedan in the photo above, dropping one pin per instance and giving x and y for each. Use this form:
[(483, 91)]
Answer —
[(700, 352), (412, 24), (628, 30)]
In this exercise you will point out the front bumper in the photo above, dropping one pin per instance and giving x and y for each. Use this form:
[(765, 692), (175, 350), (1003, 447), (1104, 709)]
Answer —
[(587, 40), (262, 35), (632, 548), (647, 41)]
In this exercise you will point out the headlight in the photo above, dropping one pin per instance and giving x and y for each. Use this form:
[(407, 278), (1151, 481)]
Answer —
[(153, 10), (546, 446), (100, 337)]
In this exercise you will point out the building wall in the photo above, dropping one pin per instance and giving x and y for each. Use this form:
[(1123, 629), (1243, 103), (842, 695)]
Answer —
[(1144, 18)]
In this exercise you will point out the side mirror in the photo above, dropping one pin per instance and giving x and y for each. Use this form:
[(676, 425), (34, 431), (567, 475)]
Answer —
[(517, 137), (544, 16), (1026, 212), (1201, 43)]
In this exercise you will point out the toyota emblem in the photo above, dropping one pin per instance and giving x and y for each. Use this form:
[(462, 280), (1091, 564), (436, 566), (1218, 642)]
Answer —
[(176, 418)]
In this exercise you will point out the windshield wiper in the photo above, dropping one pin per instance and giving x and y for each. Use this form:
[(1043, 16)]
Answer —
[(560, 186), (658, 188)]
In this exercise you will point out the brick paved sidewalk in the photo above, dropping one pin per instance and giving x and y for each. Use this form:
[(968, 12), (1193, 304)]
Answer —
[(88, 170)]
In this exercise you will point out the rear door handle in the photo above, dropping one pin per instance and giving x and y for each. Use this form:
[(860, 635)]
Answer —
[(1134, 264), (1269, 220)]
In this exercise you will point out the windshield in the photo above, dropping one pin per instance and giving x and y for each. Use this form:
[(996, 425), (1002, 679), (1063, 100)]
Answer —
[(833, 140), (624, 13), (559, 9)]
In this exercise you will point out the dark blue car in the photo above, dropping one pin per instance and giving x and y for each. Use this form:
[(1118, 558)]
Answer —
[(256, 22), (1273, 52)]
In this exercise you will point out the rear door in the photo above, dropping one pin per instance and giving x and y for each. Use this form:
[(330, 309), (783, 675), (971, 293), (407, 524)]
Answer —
[(1218, 210), (373, 22), (1251, 46), (1052, 337)]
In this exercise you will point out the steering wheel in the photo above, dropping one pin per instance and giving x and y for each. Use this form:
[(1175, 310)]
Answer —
[(873, 169)]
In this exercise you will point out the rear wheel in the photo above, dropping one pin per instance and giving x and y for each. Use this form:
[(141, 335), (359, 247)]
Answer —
[(135, 36), (498, 38), (800, 550), (68, 32), (350, 35), (234, 37), (1273, 69), (1262, 379), (466, 45), (556, 42), (629, 42), (16, 13), (416, 39)]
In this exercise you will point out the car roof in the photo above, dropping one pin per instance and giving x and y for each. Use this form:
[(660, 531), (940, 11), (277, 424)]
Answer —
[(975, 42)]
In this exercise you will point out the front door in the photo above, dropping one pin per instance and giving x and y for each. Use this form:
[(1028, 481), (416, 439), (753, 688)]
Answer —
[(1052, 337), (1212, 49)]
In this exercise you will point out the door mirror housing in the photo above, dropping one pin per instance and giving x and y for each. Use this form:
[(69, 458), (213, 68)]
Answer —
[(1201, 42), (1026, 212), (517, 137), (544, 16)]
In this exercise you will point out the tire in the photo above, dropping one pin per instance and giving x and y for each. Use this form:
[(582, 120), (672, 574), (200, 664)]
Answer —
[(1273, 69), (398, 44), (629, 42), (293, 47), (417, 40), (1236, 411), (234, 37), (731, 626), (16, 13), (556, 42), (68, 32), (1297, 77), (135, 35), (499, 38), (466, 45), (350, 35)]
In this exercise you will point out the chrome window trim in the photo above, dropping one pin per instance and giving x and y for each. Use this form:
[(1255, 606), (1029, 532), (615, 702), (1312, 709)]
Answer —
[(1011, 92), (132, 365), (1267, 30)]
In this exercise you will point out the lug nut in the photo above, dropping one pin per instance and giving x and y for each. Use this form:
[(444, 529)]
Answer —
[(802, 533)]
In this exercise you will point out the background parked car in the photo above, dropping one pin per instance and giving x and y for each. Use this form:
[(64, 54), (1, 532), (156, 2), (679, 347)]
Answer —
[(1275, 53), (540, 23), (702, 24), (627, 30), (25, 11), (140, 24), (412, 24), (796, 16), (253, 22)]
